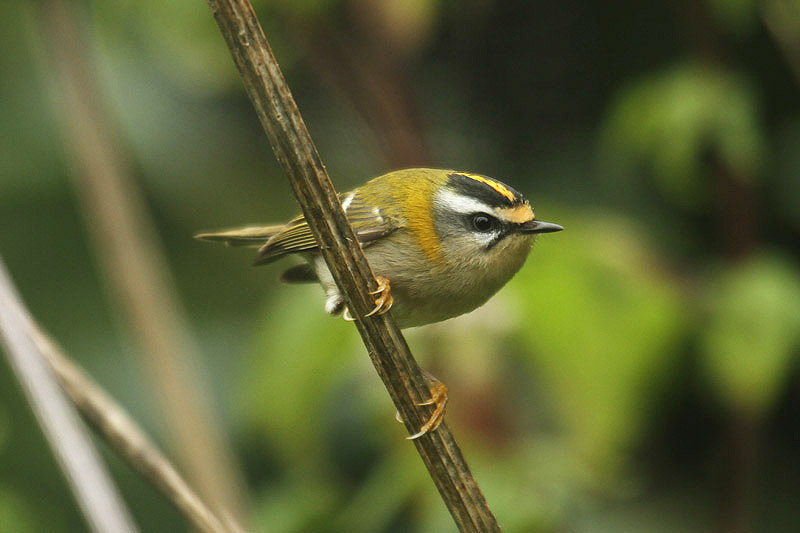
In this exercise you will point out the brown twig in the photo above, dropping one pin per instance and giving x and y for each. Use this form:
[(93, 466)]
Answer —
[(385, 344), (94, 490)]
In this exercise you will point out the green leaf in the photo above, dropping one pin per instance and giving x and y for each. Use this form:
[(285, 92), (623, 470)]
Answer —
[(753, 332)]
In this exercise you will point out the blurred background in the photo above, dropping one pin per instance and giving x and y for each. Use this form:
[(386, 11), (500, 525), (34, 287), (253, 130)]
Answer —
[(639, 373)]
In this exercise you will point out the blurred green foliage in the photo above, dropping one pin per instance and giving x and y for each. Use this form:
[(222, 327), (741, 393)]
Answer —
[(737, 16), (15, 514), (668, 122), (607, 370), (637, 372), (753, 332)]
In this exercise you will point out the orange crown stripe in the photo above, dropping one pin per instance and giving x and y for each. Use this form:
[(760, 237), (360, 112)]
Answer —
[(499, 187)]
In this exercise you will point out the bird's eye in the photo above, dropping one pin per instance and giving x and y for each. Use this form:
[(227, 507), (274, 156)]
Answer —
[(483, 222)]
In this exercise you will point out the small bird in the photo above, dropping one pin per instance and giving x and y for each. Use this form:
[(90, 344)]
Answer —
[(441, 243)]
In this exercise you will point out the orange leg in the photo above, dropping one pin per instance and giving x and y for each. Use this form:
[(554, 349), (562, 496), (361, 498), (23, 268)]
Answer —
[(438, 400), (383, 302)]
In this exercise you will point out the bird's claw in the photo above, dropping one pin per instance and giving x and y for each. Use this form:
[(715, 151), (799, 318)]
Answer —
[(383, 302), (438, 399)]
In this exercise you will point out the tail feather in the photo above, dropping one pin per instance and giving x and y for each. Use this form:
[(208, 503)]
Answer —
[(247, 236)]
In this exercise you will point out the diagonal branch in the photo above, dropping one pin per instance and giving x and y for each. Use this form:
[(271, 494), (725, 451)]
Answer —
[(385, 344), (127, 439), (31, 351), (94, 490)]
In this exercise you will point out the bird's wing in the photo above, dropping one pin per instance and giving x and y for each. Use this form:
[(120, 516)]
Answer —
[(367, 220)]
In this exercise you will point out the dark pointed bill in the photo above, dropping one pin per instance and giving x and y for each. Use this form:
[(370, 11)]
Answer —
[(538, 226)]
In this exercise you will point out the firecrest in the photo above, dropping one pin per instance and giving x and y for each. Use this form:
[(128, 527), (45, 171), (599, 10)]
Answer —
[(441, 243), (445, 240)]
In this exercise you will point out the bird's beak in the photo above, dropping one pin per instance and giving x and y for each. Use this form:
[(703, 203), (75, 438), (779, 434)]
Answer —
[(537, 226)]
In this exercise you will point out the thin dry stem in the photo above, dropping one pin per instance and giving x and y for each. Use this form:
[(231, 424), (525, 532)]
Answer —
[(38, 355), (91, 484), (385, 344), (126, 438)]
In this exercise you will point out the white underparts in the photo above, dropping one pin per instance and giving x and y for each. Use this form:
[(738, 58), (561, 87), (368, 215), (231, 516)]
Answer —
[(334, 304)]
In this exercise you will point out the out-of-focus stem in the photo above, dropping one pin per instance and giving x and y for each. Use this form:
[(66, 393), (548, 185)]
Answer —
[(127, 439), (131, 258), (94, 490)]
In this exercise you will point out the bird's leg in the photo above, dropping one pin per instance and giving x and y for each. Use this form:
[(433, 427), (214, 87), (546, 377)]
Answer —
[(438, 399), (383, 302)]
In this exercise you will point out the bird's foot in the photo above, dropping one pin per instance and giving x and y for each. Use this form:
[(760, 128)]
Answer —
[(383, 302), (438, 399)]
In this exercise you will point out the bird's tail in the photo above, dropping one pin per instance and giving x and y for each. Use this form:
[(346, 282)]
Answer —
[(247, 236)]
